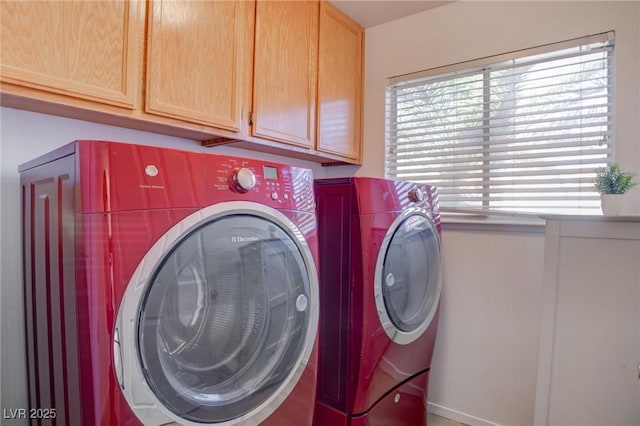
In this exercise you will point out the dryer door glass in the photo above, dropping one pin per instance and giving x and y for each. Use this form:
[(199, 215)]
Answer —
[(224, 321), (411, 274)]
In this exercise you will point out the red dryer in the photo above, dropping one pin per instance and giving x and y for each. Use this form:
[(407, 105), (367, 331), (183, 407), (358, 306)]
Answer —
[(169, 287), (380, 283)]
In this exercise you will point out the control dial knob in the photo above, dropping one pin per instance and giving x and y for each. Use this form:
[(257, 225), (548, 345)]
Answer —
[(416, 195), (243, 179)]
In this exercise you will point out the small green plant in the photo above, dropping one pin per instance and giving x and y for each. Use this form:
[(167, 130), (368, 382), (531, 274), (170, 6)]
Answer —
[(612, 180)]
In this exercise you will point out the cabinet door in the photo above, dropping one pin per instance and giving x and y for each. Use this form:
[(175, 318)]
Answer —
[(83, 49), (196, 60), (339, 84), (589, 372), (284, 96)]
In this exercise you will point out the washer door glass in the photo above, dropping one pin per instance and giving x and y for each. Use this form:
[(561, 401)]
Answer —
[(224, 319), (410, 275)]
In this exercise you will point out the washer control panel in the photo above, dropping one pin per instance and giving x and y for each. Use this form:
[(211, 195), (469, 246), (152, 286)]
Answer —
[(277, 185)]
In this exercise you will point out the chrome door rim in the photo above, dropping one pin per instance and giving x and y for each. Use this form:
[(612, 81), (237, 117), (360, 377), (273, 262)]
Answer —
[(142, 400), (394, 333)]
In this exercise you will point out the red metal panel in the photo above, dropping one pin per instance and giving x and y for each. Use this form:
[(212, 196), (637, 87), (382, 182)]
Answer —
[(339, 329), (325, 415), (297, 409), (404, 406), (48, 203), (385, 363), (116, 177), (385, 195), (120, 177)]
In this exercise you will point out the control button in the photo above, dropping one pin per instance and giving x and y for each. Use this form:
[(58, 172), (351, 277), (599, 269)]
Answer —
[(151, 170), (274, 195), (416, 195), (243, 179), (286, 196)]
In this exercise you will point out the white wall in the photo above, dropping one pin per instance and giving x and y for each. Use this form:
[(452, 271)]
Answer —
[(485, 361), (486, 356), (24, 136)]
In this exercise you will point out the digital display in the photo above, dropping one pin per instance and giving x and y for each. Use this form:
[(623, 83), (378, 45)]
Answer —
[(270, 172)]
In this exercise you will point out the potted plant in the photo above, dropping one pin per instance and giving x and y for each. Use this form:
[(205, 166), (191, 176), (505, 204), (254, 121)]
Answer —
[(611, 182)]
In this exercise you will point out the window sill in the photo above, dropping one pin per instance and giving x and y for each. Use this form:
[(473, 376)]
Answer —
[(498, 221), (469, 220)]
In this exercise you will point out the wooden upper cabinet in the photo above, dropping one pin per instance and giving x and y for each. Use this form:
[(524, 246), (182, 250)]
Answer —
[(340, 76), (89, 50), (274, 76), (196, 60), (285, 71)]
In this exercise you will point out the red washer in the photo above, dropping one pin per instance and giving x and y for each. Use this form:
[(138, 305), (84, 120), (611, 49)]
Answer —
[(169, 286), (380, 283)]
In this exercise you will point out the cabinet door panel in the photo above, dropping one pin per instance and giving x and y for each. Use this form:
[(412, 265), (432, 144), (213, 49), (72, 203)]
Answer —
[(195, 61), (594, 376), (285, 71), (589, 358), (89, 50), (339, 83)]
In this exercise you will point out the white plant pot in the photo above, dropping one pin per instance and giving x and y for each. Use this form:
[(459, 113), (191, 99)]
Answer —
[(611, 204)]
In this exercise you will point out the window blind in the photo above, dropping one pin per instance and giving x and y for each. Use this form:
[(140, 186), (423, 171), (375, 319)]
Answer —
[(519, 132)]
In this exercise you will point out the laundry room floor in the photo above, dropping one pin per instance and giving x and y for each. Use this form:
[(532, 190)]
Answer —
[(433, 420)]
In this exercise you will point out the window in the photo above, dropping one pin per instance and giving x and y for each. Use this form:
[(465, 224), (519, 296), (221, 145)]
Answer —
[(518, 132)]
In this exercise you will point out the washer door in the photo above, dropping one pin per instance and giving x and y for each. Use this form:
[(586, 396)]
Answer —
[(408, 274), (224, 321)]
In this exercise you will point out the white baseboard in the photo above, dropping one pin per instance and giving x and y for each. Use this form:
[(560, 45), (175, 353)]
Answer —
[(458, 416)]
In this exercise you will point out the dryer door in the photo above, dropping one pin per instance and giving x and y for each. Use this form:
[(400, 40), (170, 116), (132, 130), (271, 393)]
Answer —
[(219, 320), (408, 274)]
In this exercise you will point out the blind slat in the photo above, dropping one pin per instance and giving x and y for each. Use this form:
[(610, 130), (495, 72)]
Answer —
[(479, 130), (525, 199), (580, 139), (440, 119), (458, 183), (549, 162), (452, 178), (588, 148), (522, 192), (475, 97)]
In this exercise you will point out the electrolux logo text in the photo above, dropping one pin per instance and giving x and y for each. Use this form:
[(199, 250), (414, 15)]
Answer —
[(244, 239)]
